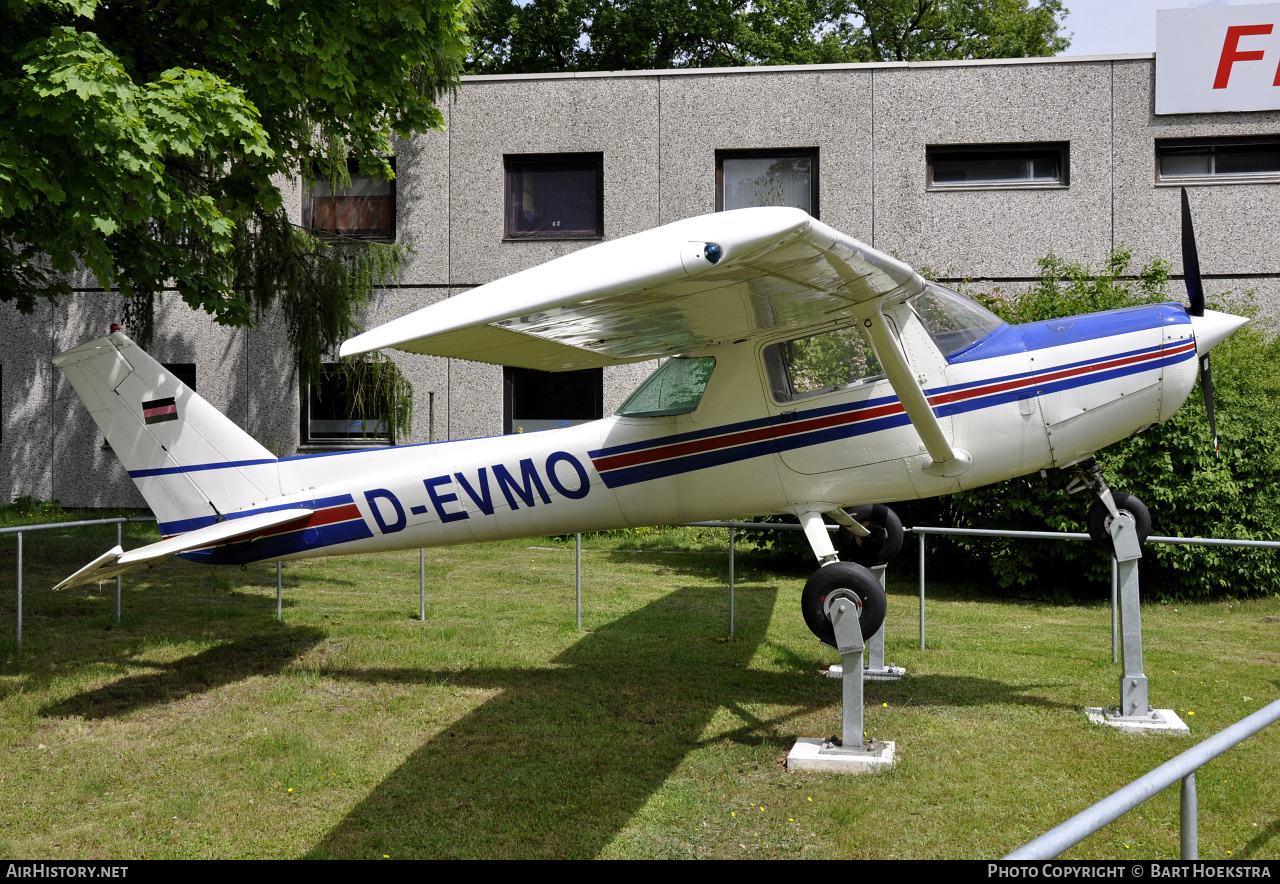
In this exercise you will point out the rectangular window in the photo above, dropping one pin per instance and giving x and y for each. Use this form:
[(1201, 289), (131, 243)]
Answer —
[(330, 415), (746, 178), (997, 166), (820, 363), (364, 210), (554, 196), (544, 400), (1219, 161)]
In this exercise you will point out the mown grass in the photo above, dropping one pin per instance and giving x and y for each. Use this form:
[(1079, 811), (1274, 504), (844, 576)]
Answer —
[(201, 727)]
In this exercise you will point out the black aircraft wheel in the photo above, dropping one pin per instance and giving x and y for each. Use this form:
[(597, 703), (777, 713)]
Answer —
[(884, 543), (1100, 519), (842, 575)]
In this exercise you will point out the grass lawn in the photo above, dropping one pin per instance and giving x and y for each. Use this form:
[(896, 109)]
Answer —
[(201, 727)]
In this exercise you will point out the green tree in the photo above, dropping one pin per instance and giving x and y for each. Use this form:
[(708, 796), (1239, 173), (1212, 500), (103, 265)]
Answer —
[(579, 35), (145, 140)]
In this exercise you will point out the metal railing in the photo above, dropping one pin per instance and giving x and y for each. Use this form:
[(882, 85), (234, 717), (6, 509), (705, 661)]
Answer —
[(19, 530), (1068, 535), (1183, 767)]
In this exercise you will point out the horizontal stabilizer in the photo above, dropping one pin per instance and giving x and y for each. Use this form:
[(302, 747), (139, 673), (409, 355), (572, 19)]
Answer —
[(117, 561)]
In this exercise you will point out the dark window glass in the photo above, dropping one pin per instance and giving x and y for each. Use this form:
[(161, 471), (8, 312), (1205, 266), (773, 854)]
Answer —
[(1245, 160), (544, 400), (183, 371), (365, 210), (980, 166), (554, 196), (767, 178), (330, 415)]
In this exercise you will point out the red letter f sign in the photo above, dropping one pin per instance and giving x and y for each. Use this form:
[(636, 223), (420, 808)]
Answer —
[(1231, 52)]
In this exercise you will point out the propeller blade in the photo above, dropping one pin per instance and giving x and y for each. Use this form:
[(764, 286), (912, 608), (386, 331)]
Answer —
[(1206, 387), (1191, 261)]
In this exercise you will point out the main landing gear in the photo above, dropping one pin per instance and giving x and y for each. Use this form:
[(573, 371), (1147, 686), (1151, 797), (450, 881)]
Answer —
[(844, 606), (1120, 523)]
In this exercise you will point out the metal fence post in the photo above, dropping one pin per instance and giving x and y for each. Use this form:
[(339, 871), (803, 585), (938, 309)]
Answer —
[(1115, 609), (577, 582), (279, 591), (732, 542), (19, 592), (119, 577), (1190, 834), (921, 536)]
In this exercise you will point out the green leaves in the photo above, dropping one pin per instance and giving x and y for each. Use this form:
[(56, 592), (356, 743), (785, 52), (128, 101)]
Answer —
[(579, 35), (144, 139)]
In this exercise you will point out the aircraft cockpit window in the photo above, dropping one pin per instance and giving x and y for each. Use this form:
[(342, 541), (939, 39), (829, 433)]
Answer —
[(952, 320), (675, 388), (820, 364)]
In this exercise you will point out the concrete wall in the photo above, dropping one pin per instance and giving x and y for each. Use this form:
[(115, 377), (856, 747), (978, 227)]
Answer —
[(658, 132)]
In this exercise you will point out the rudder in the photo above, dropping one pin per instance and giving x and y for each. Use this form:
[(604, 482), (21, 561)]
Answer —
[(190, 462)]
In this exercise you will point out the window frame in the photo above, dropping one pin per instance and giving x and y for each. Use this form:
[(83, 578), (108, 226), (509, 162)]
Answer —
[(1211, 142), (534, 159), (353, 170), (510, 394), (1011, 149), (812, 153), (305, 440)]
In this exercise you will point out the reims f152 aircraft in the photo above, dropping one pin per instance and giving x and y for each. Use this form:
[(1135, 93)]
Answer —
[(805, 373)]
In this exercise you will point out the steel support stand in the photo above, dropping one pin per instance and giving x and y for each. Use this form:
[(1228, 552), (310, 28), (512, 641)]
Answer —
[(422, 585), (279, 592), (1133, 714), (578, 580), (852, 752), (875, 668)]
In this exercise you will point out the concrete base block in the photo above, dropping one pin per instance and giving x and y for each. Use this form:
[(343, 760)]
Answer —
[(808, 754), (1157, 721), (889, 673)]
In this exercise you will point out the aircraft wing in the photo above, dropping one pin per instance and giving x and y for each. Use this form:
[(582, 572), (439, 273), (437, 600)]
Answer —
[(117, 561), (681, 287)]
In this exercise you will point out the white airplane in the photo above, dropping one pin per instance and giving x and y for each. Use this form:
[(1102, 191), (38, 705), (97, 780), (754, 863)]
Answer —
[(806, 373)]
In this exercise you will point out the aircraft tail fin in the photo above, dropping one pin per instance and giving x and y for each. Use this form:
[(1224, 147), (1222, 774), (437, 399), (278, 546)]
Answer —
[(190, 462)]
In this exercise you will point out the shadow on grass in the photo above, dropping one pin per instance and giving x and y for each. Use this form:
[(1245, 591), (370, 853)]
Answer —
[(265, 653), (562, 759), (963, 690)]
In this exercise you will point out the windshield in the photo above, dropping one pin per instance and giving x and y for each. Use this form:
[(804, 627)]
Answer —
[(675, 388), (952, 320)]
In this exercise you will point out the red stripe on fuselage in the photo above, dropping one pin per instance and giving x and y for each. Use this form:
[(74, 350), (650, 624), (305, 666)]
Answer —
[(782, 431)]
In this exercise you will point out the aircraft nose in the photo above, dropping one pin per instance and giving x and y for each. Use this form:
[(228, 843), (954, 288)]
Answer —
[(1213, 328)]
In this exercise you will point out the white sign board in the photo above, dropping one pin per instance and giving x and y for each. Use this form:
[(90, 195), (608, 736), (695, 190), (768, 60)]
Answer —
[(1218, 58)]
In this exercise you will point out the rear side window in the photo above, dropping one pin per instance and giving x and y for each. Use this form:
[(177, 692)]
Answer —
[(675, 388)]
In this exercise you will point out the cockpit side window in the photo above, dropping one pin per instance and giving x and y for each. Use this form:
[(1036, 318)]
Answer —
[(820, 363), (675, 388), (953, 321)]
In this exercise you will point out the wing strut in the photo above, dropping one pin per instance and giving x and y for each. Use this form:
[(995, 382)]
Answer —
[(947, 461)]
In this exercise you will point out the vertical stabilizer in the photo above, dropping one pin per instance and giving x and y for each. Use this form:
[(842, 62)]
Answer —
[(190, 462)]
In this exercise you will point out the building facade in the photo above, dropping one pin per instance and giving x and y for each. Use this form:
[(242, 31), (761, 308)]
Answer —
[(975, 170)]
